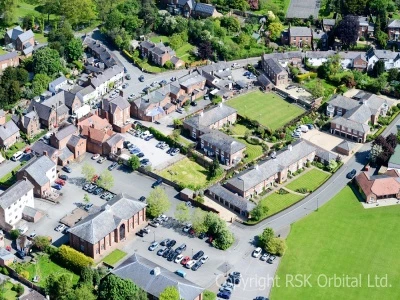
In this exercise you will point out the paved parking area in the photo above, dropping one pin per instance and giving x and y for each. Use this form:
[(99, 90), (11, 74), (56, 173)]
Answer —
[(158, 157)]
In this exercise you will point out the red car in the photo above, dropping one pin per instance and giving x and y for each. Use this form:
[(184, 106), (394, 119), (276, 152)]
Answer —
[(60, 181), (192, 232), (185, 260)]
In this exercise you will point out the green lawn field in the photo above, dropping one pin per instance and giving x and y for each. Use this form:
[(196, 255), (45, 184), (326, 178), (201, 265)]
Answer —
[(310, 180), (345, 239), (267, 108), (277, 202), (253, 151), (114, 257)]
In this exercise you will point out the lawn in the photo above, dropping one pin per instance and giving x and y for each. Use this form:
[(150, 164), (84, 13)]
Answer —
[(114, 257), (43, 268), (188, 173), (9, 179), (253, 151), (184, 52), (267, 108), (7, 293), (239, 129), (343, 239), (277, 202), (310, 180), (328, 88)]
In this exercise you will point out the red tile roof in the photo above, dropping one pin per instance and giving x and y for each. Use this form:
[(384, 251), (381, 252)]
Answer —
[(380, 185)]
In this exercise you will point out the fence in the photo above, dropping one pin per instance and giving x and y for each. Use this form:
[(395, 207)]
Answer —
[(13, 274)]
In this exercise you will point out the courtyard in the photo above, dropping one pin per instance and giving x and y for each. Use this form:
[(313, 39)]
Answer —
[(269, 109), (359, 247)]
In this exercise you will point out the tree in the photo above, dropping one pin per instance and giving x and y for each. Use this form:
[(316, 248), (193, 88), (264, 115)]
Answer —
[(157, 202), (182, 213), (205, 50), (347, 31), (214, 169), (134, 162), (354, 7), (224, 239), (276, 246), (14, 234), (116, 288), (7, 10), (379, 68), (198, 219), (317, 90), (106, 180), (59, 37), (57, 287), (41, 242), (86, 198), (74, 50), (393, 74), (387, 150), (170, 293), (40, 83), (332, 165), (175, 41), (275, 30), (87, 276), (381, 38), (82, 292), (78, 11), (391, 139), (47, 61), (265, 237), (376, 151), (178, 123), (88, 171), (259, 212)]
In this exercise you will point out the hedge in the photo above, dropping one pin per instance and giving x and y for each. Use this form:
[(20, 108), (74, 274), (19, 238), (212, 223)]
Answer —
[(74, 260), (306, 76)]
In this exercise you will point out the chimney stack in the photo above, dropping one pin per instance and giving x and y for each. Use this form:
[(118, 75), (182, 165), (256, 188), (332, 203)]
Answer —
[(45, 153)]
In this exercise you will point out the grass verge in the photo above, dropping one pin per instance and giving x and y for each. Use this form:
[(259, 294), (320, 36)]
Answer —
[(114, 257)]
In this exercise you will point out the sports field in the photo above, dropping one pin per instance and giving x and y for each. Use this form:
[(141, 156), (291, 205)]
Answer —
[(346, 245), (267, 108)]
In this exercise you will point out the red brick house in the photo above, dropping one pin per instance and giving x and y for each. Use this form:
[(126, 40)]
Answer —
[(9, 134), (394, 30), (20, 39), (28, 123), (275, 72), (77, 145), (60, 138), (117, 112), (10, 59), (300, 36), (100, 233), (158, 53)]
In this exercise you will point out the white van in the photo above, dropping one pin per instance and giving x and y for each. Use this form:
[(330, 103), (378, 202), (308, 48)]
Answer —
[(17, 156)]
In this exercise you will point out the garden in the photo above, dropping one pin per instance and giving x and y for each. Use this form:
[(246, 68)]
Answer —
[(278, 201), (268, 109), (114, 257), (309, 181), (346, 229)]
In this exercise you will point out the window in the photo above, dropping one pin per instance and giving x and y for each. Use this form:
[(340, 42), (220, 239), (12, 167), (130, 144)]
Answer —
[(97, 251), (102, 247)]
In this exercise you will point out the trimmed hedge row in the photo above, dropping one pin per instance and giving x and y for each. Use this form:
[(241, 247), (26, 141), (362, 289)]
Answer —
[(306, 76), (74, 260)]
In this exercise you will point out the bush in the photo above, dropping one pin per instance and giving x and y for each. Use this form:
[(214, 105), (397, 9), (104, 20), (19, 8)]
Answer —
[(14, 234), (302, 190), (4, 271), (24, 274), (276, 246), (73, 259), (18, 288), (306, 76), (51, 250), (361, 39), (282, 192)]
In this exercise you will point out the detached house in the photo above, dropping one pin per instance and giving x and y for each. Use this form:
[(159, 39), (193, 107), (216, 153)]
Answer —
[(298, 36), (13, 203), (214, 118), (101, 232), (366, 28), (28, 123), (189, 8), (328, 24), (9, 134), (351, 117), (275, 72), (20, 39), (393, 30), (390, 58), (159, 54), (117, 112), (41, 172)]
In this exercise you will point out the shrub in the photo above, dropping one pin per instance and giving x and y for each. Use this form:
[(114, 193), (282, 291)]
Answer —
[(302, 190), (14, 234), (73, 259), (24, 274), (4, 271), (282, 192), (276, 246), (18, 288), (199, 199), (51, 250), (306, 76)]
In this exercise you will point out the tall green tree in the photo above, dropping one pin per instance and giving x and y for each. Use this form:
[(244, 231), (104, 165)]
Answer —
[(82, 292), (88, 171), (74, 50), (7, 10), (265, 237), (157, 202), (170, 293), (116, 288), (106, 180), (134, 162), (58, 286), (78, 11), (47, 61), (40, 83), (198, 219), (41, 242), (182, 213)]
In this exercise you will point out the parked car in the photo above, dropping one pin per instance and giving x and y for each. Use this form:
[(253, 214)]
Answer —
[(104, 195), (264, 257), (98, 191), (171, 243), (166, 252), (202, 235), (224, 295), (170, 150), (142, 199), (88, 206), (163, 82), (101, 160), (141, 78), (179, 110), (185, 260), (157, 182), (86, 186), (206, 97), (181, 248), (154, 223), (149, 137), (172, 255), (351, 174), (164, 146), (257, 252), (58, 187), (161, 251), (32, 235), (179, 258), (112, 166), (190, 264), (59, 228), (198, 255), (63, 177), (146, 230), (67, 169), (163, 217), (140, 233), (153, 246), (197, 265), (175, 152), (92, 188), (204, 259), (310, 126), (128, 77), (187, 227), (193, 103), (95, 156), (271, 259), (164, 242)]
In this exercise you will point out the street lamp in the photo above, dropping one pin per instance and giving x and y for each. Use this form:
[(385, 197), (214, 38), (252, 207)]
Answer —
[(154, 236), (226, 269), (192, 252), (317, 204)]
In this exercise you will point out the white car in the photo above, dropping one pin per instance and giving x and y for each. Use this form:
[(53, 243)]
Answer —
[(96, 156), (187, 228), (32, 235), (264, 257), (153, 246), (204, 259), (190, 264), (163, 218), (179, 258), (257, 252)]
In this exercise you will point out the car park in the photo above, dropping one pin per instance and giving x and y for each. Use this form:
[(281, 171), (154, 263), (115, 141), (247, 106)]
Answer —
[(198, 255), (153, 246), (190, 264), (271, 259), (351, 174), (197, 265)]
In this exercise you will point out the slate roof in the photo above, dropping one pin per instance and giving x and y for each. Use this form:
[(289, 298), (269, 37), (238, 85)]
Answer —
[(65, 154), (37, 168), (274, 65), (302, 9), (28, 50), (264, 80), (329, 22), (45, 107), (26, 119), (319, 54), (394, 24), (30, 211), (251, 178), (381, 54), (210, 117), (285, 55), (40, 148), (115, 139), (8, 129), (109, 73), (141, 272), (343, 102), (98, 225), (8, 55), (32, 295), (66, 131), (364, 128), (74, 140), (223, 141), (26, 35), (346, 145), (113, 104), (204, 8), (15, 192), (231, 198), (14, 32), (101, 52), (58, 81), (299, 31), (174, 60)]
